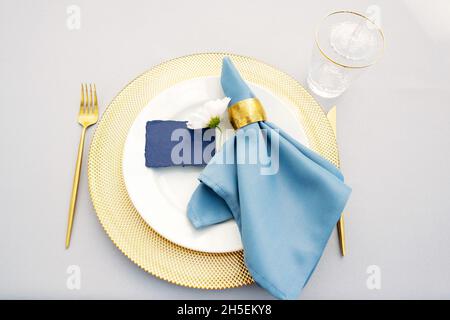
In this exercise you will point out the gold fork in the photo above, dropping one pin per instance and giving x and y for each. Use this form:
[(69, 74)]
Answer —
[(87, 116)]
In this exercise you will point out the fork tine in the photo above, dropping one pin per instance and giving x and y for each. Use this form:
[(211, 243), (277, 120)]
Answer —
[(86, 94), (91, 99), (95, 99), (82, 98)]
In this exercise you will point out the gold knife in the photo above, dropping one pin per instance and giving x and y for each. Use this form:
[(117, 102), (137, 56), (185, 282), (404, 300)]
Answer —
[(331, 115)]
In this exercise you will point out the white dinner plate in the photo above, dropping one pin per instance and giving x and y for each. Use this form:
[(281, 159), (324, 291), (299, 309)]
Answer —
[(161, 195)]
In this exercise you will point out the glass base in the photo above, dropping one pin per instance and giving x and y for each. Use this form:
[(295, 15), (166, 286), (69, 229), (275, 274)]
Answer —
[(322, 92)]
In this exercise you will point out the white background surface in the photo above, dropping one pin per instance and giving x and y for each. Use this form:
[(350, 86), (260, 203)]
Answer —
[(393, 131)]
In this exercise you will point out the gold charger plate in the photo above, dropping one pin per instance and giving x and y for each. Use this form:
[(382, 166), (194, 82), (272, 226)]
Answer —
[(121, 221)]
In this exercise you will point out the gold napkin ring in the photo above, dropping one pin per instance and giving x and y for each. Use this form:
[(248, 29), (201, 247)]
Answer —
[(245, 112)]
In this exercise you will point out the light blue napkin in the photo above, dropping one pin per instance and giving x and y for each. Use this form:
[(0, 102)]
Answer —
[(285, 215)]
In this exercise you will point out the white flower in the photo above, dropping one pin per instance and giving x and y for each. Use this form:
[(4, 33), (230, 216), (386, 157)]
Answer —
[(209, 115)]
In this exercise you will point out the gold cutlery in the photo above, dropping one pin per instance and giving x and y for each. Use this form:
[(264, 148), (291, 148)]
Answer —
[(331, 115), (87, 116)]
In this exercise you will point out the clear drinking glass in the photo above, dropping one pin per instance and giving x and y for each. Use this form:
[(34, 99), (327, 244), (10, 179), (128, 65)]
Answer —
[(346, 44)]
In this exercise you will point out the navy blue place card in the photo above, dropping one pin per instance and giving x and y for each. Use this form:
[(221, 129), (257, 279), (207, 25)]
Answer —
[(171, 143)]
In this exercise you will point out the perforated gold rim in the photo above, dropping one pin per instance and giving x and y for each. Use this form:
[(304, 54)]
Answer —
[(114, 209)]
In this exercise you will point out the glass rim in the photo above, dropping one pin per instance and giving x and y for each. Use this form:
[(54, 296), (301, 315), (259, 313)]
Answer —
[(322, 52)]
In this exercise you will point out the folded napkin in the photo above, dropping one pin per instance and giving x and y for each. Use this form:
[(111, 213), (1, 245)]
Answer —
[(285, 217), (172, 143)]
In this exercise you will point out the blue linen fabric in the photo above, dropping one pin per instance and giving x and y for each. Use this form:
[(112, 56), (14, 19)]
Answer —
[(285, 218), (192, 147)]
